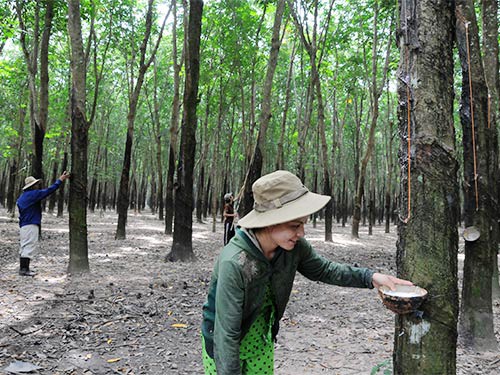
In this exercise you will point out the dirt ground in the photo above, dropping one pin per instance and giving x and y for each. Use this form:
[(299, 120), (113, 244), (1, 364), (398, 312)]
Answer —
[(136, 314)]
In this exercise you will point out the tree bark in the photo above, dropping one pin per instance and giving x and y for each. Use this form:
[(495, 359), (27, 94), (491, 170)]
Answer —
[(259, 153), (425, 343), (200, 192), (60, 193), (344, 203), (182, 248), (214, 173), (104, 190), (94, 179), (78, 247), (375, 92), (123, 193), (390, 167), (158, 139), (303, 125), (13, 176), (280, 160), (39, 98), (491, 74), (55, 169), (476, 315), (44, 84), (3, 184), (311, 46), (174, 127), (248, 133), (371, 199)]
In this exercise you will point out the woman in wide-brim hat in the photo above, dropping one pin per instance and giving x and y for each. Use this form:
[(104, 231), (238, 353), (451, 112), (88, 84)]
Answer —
[(253, 277)]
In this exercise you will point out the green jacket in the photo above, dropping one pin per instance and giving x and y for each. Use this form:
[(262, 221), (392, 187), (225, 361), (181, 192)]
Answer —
[(237, 288)]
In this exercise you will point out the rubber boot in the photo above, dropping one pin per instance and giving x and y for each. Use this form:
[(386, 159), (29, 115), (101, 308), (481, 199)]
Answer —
[(24, 269)]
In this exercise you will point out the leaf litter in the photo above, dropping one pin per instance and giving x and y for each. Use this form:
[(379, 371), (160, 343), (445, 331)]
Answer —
[(134, 313)]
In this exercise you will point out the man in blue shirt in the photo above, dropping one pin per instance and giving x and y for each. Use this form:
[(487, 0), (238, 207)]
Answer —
[(30, 218)]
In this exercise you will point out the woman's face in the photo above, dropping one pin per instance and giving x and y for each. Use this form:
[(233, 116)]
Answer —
[(287, 234)]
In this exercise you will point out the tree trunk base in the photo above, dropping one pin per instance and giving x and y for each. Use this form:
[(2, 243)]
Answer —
[(476, 331), (120, 236), (180, 253)]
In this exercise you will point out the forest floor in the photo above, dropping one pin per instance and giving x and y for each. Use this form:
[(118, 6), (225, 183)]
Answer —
[(134, 313)]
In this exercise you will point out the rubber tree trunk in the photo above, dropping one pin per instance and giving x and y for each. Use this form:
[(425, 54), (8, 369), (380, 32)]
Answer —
[(255, 167), (158, 139), (205, 140), (215, 169), (388, 189), (280, 159), (53, 197), (78, 247), (123, 193), (12, 185), (491, 74), (39, 99), (13, 176), (247, 133), (425, 343), (174, 128), (375, 92), (312, 51), (182, 248), (476, 315), (60, 193), (44, 87), (3, 184)]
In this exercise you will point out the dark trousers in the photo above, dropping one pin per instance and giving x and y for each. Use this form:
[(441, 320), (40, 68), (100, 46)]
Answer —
[(228, 232)]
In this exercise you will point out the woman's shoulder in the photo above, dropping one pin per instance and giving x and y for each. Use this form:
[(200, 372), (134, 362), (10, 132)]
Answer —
[(230, 252)]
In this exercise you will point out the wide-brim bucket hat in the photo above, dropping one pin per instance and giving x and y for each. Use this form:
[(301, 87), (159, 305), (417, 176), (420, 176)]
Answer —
[(280, 197), (30, 181)]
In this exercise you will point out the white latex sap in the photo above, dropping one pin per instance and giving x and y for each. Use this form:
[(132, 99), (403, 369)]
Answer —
[(401, 294)]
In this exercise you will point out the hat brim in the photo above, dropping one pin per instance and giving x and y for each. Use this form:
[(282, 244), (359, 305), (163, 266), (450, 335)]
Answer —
[(31, 183), (306, 205)]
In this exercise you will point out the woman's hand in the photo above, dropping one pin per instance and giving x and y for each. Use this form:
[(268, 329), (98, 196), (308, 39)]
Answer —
[(380, 279)]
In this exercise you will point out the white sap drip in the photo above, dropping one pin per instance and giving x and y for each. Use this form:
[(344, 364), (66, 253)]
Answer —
[(417, 331)]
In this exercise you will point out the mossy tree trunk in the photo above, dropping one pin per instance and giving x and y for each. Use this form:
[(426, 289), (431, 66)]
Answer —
[(78, 246), (490, 46), (425, 343), (476, 315)]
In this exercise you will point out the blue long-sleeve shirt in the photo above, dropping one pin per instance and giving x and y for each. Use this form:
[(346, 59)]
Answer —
[(28, 203)]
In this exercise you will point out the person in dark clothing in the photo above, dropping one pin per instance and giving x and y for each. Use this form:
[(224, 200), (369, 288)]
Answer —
[(229, 216), (30, 218)]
